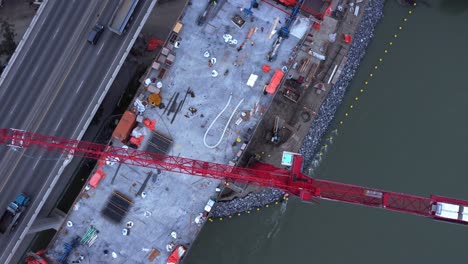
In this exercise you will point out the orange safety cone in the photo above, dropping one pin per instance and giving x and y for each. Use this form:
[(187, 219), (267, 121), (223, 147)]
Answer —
[(150, 124), (316, 26), (266, 68), (137, 141), (347, 38)]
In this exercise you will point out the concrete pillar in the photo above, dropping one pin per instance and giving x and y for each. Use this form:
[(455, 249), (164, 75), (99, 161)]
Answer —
[(54, 221)]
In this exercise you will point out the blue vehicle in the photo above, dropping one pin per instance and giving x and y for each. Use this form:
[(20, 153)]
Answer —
[(10, 217)]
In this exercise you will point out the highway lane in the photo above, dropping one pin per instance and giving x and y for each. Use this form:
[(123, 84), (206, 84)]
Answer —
[(45, 100), (40, 53), (54, 56), (45, 55), (32, 101), (28, 91), (50, 12), (66, 108)]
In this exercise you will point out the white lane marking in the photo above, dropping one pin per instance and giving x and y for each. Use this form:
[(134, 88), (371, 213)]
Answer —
[(35, 70), (37, 162), (60, 122), (99, 51), (21, 44), (79, 87), (13, 109), (55, 34)]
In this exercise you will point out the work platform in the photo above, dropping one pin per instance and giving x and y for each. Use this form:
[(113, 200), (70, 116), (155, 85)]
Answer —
[(171, 202)]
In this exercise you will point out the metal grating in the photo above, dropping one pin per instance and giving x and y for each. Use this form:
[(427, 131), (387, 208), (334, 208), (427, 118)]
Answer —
[(159, 143), (117, 207)]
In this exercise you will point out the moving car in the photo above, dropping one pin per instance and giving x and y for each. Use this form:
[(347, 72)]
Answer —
[(94, 35)]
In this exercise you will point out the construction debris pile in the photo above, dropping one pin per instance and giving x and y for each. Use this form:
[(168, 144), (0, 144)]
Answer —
[(362, 37), (247, 203)]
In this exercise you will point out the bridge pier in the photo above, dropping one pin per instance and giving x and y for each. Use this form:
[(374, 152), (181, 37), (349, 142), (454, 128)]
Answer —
[(54, 221)]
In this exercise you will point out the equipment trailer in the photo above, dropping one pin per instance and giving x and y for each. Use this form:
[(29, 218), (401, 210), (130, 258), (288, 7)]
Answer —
[(122, 15)]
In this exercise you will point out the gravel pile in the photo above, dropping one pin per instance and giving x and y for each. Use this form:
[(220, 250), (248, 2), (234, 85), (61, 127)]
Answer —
[(249, 202), (362, 37)]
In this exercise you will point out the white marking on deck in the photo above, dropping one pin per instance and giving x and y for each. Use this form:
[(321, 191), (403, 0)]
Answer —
[(13, 109), (55, 34), (35, 70), (99, 51), (60, 122), (37, 162), (79, 87)]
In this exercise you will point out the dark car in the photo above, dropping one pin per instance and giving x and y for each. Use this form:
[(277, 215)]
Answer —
[(94, 35)]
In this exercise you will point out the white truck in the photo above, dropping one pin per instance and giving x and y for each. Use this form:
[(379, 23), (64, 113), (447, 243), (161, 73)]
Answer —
[(122, 15)]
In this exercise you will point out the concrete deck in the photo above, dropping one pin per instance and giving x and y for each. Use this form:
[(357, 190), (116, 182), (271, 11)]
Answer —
[(174, 200)]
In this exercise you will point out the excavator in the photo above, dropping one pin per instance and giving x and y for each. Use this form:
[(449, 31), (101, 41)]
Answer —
[(284, 31)]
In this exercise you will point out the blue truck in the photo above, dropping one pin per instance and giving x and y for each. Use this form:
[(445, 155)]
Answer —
[(10, 217), (122, 15)]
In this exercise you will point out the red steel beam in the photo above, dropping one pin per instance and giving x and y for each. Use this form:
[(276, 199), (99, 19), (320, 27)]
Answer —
[(292, 181)]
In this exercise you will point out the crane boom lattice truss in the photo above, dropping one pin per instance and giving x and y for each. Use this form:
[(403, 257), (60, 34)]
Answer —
[(291, 181)]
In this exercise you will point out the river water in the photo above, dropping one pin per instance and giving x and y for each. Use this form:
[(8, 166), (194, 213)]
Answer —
[(407, 132)]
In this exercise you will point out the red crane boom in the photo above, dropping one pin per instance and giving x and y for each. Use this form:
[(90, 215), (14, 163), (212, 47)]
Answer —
[(291, 181)]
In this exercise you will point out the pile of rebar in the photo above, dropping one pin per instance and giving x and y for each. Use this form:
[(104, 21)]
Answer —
[(90, 236)]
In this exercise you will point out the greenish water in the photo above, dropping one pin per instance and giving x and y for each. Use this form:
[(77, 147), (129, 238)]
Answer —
[(407, 133)]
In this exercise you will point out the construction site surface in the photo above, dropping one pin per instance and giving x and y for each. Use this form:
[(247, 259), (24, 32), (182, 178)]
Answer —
[(129, 214)]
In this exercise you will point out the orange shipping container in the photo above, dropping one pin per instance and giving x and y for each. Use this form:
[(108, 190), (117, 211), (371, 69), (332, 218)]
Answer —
[(125, 126), (274, 82)]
